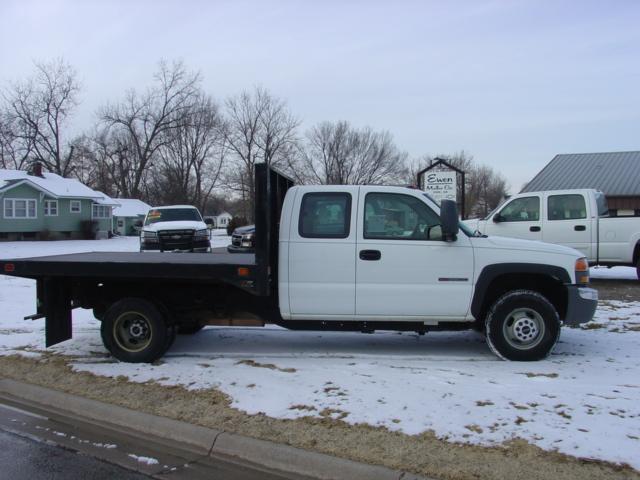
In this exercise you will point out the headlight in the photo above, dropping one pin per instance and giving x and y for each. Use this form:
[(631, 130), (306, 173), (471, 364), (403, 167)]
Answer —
[(582, 271), (149, 234), (202, 233)]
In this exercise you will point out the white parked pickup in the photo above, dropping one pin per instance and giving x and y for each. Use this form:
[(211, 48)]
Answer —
[(575, 218)]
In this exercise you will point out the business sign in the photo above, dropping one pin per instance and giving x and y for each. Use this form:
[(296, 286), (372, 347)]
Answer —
[(441, 185)]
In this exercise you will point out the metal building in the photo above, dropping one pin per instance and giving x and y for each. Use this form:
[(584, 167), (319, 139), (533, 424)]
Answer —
[(617, 174)]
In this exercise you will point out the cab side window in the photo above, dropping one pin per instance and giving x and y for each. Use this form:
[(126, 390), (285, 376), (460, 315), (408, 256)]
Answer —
[(325, 215), (566, 207), (394, 216), (525, 209)]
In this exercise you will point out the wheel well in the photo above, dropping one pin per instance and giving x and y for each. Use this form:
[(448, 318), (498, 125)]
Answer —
[(636, 254), (551, 288)]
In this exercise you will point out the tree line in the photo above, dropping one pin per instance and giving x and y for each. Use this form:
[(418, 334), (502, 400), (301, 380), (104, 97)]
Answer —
[(172, 142)]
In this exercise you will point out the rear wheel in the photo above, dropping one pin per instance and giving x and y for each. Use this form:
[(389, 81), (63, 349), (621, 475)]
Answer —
[(522, 325), (134, 330), (638, 269)]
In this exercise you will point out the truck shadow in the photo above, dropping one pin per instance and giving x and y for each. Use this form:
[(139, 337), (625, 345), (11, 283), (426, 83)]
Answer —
[(278, 342)]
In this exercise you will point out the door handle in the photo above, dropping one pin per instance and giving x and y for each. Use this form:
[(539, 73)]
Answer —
[(534, 229), (370, 255), (579, 228)]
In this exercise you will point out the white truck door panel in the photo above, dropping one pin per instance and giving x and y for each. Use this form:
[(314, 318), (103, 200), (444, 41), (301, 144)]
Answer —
[(568, 222), (518, 218), (322, 254), (417, 274)]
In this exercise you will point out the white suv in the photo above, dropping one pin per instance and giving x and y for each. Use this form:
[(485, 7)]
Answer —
[(174, 228)]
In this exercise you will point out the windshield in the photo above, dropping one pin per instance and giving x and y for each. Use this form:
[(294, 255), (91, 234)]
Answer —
[(171, 215), (495, 209), (468, 232)]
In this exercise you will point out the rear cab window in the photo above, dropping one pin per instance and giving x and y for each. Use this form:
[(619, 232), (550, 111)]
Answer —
[(325, 215), (566, 207)]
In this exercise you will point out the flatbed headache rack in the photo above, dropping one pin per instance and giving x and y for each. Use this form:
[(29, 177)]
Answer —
[(59, 277)]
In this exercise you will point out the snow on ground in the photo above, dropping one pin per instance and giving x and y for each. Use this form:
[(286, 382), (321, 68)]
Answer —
[(584, 400)]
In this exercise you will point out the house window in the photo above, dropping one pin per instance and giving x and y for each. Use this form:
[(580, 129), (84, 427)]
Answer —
[(19, 208), (75, 206), (100, 212), (50, 208)]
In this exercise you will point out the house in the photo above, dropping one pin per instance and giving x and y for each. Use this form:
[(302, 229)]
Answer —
[(222, 220), (39, 205), (616, 174), (128, 212)]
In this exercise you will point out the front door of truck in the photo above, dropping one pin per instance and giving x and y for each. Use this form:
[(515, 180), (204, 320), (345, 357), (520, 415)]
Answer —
[(322, 246), (404, 269), (518, 218)]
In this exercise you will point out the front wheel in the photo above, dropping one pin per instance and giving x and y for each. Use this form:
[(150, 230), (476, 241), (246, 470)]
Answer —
[(522, 325), (134, 330)]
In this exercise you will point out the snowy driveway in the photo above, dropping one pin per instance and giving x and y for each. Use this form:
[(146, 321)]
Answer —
[(584, 400)]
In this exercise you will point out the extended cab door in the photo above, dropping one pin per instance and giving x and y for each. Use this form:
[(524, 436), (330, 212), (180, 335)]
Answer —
[(322, 254), (405, 270), (519, 218), (568, 222)]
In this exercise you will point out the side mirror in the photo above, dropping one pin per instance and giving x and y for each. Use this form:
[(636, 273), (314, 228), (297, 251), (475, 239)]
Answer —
[(138, 224), (208, 221), (449, 220), (497, 218)]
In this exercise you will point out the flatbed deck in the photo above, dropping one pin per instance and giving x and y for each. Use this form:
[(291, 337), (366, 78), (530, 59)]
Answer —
[(148, 265)]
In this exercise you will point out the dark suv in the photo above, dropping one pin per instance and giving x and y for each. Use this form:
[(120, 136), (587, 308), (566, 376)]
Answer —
[(243, 240)]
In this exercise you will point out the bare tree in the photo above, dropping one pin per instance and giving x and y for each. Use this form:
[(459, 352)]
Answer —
[(337, 153), (36, 112), (192, 156), (259, 128), (141, 123)]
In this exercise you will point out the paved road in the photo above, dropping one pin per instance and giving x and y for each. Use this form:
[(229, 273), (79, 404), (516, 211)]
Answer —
[(23, 458), (35, 446)]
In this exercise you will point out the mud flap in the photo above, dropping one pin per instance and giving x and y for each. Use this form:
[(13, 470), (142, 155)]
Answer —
[(54, 299)]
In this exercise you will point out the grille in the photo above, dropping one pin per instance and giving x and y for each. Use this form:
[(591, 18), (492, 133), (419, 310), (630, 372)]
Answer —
[(176, 239)]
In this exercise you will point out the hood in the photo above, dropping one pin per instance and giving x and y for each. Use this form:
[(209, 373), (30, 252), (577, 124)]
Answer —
[(176, 225), (244, 230), (519, 244)]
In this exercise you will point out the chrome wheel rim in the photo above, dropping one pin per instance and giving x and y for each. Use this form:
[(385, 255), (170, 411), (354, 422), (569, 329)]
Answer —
[(132, 331), (524, 328)]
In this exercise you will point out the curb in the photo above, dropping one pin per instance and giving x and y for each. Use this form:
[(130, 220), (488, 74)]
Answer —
[(198, 439)]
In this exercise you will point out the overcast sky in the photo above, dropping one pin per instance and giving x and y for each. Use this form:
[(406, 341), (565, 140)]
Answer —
[(510, 82)]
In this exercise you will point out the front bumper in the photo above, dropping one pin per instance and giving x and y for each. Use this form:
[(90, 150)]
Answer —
[(236, 249), (185, 246), (581, 304)]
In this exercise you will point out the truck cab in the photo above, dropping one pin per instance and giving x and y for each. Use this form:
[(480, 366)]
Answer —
[(577, 218), (383, 257)]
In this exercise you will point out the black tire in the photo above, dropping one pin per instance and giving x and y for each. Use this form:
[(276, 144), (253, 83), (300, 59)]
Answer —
[(189, 329), (523, 326), (134, 330), (172, 332), (638, 269)]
